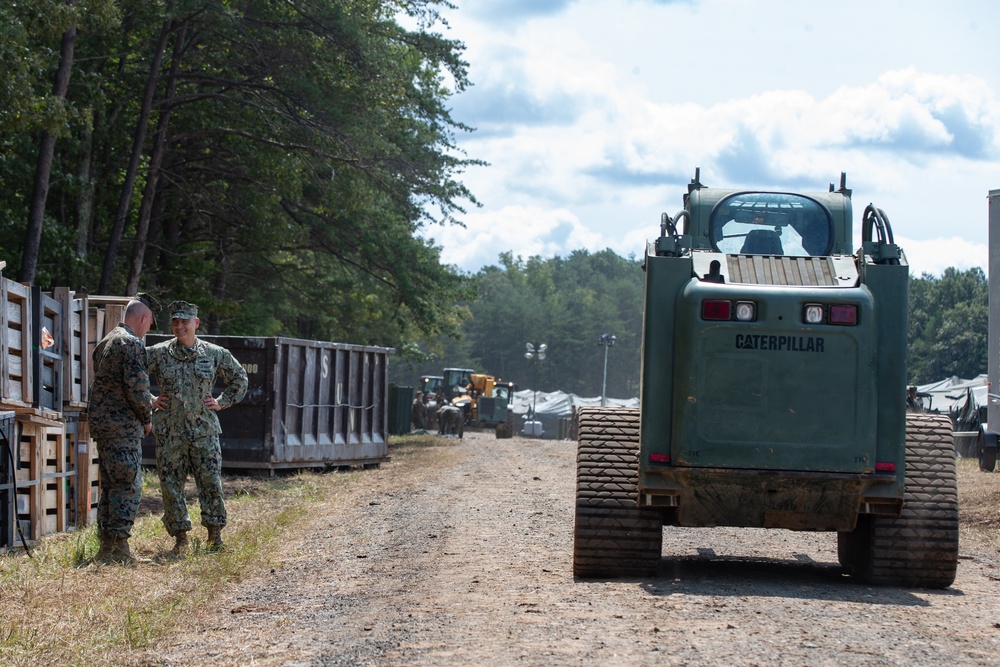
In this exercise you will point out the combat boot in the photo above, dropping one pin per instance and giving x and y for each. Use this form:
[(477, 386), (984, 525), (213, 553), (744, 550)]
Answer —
[(105, 553), (180, 543), (215, 539), (120, 553)]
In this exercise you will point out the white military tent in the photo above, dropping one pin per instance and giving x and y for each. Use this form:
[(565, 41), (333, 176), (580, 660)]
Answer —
[(949, 396), (551, 406)]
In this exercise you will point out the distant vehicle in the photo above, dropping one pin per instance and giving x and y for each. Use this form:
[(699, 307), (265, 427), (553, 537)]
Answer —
[(484, 399), (456, 382), (772, 396), (431, 384)]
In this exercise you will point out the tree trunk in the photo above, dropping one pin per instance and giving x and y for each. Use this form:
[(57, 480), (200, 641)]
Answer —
[(138, 140), (155, 162), (43, 168), (85, 200), (223, 260)]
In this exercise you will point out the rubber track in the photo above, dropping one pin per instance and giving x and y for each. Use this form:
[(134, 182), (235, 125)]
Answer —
[(612, 536), (920, 547)]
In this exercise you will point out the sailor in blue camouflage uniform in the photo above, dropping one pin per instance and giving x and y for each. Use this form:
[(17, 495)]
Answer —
[(186, 425), (119, 417)]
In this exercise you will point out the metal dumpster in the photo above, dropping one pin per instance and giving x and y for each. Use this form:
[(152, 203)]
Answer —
[(308, 404), (400, 408)]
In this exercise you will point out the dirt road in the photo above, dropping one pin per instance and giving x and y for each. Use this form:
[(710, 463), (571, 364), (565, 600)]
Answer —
[(461, 554)]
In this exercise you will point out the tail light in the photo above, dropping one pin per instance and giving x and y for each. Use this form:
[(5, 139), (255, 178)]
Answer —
[(714, 309), (847, 315), (843, 314), (722, 310)]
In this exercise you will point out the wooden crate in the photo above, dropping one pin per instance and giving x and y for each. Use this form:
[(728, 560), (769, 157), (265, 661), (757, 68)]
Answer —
[(8, 463), (75, 345), (44, 477), (85, 484), (104, 313), (47, 351), (95, 332), (15, 344)]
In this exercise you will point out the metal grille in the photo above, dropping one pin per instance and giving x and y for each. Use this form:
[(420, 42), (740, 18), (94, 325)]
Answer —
[(774, 270)]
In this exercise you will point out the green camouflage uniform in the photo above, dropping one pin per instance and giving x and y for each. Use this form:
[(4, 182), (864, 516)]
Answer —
[(187, 432), (120, 406), (450, 420)]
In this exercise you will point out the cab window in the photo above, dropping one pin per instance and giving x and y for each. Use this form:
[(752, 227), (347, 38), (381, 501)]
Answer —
[(765, 223)]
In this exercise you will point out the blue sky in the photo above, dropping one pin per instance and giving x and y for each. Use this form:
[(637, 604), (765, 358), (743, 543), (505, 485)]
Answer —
[(594, 114)]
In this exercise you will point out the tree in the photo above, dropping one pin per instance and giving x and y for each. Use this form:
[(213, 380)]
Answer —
[(564, 302), (301, 146), (948, 325), (46, 151)]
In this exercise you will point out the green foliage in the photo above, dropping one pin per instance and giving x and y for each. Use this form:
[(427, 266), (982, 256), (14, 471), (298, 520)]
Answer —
[(564, 302), (307, 144), (948, 325), (569, 302)]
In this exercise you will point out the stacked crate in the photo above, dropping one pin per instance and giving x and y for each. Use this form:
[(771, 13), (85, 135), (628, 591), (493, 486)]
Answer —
[(15, 346), (8, 465), (45, 477), (49, 473)]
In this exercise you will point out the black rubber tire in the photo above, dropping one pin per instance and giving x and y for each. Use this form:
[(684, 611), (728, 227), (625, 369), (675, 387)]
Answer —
[(847, 548), (505, 429), (987, 455), (612, 536), (920, 547)]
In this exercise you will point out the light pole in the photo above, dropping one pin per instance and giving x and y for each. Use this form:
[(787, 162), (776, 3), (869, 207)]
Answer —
[(532, 353), (606, 340)]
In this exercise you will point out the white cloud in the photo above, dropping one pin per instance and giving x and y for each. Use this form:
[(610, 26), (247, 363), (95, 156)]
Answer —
[(527, 231), (593, 127), (933, 256)]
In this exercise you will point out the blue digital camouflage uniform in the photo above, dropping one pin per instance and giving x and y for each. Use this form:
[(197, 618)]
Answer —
[(187, 432), (120, 406)]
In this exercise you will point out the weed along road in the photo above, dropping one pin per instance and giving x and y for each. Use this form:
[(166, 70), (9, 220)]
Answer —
[(458, 552)]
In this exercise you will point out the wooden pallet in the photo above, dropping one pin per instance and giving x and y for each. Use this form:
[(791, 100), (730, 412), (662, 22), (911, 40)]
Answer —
[(45, 478), (86, 483), (75, 348), (47, 361), (15, 344)]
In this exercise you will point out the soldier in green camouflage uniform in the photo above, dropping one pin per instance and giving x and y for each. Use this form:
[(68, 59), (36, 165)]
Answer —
[(451, 420), (186, 426), (119, 416)]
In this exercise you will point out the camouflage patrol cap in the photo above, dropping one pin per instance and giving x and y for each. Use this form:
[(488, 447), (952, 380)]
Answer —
[(182, 310), (148, 301)]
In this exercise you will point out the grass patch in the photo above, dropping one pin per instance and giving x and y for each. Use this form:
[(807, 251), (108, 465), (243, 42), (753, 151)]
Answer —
[(58, 607)]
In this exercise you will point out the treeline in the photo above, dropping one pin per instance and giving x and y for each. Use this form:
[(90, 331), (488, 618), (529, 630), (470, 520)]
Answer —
[(271, 160), (568, 303), (949, 324)]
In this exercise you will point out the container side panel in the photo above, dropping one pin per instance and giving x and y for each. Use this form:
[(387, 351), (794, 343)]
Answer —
[(293, 393), (326, 397), (993, 364)]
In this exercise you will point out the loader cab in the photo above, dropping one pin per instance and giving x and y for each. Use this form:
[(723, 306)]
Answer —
[(430, 385), (780, 224), (504, 391), (456, 381), (764, 223)]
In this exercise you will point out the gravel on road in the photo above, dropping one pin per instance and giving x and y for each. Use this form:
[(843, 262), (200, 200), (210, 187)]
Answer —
[(461, 554)]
